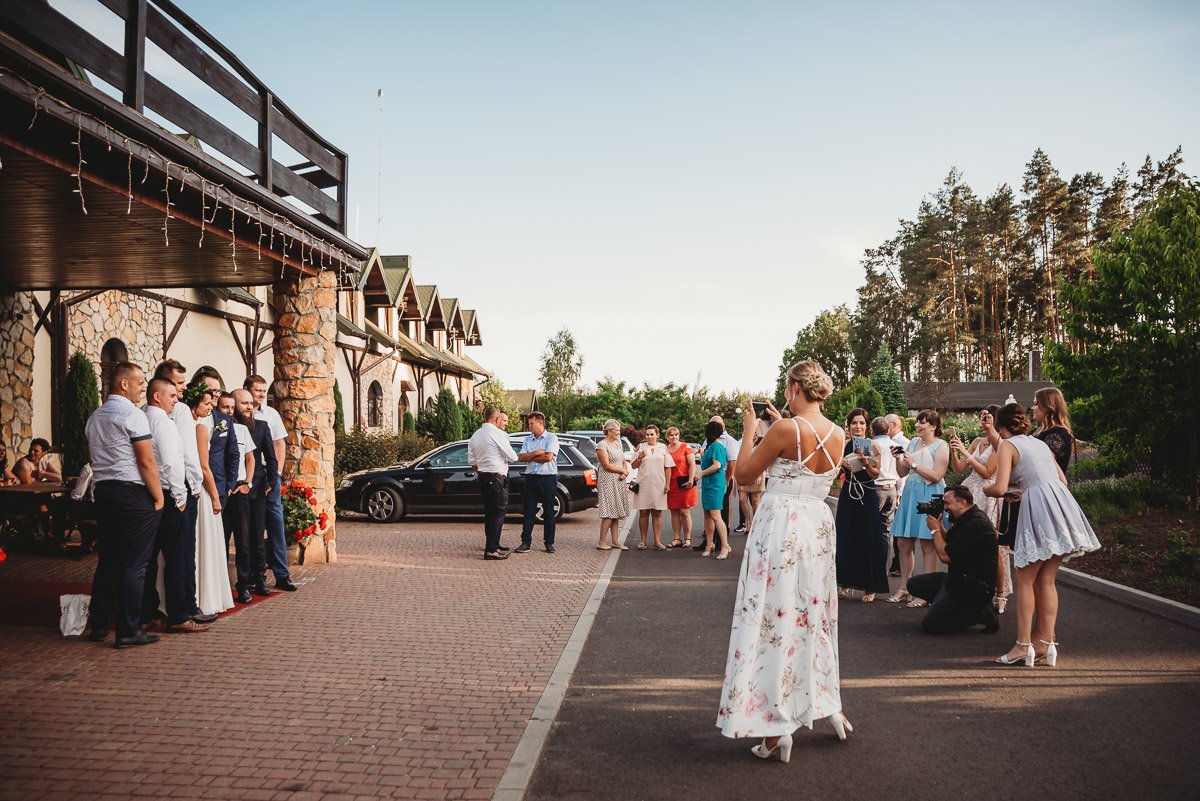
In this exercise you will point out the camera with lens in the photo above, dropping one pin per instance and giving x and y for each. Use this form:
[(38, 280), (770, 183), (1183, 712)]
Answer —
[(934, 507)]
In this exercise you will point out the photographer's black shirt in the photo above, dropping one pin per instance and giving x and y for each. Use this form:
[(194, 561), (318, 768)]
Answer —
[(971, 546)]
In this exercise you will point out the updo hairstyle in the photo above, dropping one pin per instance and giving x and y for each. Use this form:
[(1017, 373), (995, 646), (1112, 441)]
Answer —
[(610, 425), (713, 432), (1012, 419), (811, 379)]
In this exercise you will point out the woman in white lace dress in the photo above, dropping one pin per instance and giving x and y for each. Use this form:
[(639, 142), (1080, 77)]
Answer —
[(1051, 529), (978, 458), (782, 667), (213, 594)]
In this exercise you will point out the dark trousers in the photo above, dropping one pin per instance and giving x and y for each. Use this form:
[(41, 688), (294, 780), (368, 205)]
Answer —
[(949, 613), (277, 556), (236, 517), (494, 489), (188, 552), (251, 556), (539, 490), (725, 504), (127, 521), (172, 542)]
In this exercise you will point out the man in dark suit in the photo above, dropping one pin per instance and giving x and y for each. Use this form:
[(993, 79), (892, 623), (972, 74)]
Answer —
[(251, 551), (962, 596)]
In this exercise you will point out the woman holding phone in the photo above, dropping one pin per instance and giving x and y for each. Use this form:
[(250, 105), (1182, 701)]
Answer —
[(925, 460), (1050, 530), (978, 458), (862, 547)]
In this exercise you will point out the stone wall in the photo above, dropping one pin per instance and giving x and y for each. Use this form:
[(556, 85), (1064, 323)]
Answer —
[(305, 310), (16, 372), (382, 373), (136, 321)]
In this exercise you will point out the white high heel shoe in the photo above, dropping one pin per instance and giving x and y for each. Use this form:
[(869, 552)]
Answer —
[(784, 747), (1026, 659), (840, 725), (1051, 655)]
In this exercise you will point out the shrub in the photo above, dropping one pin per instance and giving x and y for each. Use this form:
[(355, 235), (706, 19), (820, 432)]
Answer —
[(858, 392), (410, 423), (81, 397), (339, 416), (360, 450), (472, 419), (1105, 498), (886, 382), (446, 425)]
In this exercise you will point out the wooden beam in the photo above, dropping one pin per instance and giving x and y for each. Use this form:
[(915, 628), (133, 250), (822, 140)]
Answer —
[(245, 356), (44, 314), (174, 331), (134, 95)]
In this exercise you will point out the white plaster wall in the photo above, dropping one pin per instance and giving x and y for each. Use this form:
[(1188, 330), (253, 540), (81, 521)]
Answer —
[(206, 340)]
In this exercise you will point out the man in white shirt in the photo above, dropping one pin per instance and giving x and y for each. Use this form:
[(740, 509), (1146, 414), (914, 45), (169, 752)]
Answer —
[(277, 558), (895, 432), (172, 540), (129, 498), (886, 483), (489, 454), (171, 370)]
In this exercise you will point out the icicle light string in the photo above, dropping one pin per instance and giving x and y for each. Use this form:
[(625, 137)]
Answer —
[(326, 249)]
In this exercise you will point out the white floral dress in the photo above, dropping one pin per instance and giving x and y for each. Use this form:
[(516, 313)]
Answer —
[(782, 669)]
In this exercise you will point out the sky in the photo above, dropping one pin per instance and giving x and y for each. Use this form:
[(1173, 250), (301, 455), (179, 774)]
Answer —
[(685, 185)]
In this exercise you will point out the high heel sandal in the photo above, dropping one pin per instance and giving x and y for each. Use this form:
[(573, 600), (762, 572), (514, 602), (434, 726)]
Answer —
[(999, 602), (784, 747), (1025, 659), (840, 725), (707, 552), (1051, 655), (725, 553), (899, 596)]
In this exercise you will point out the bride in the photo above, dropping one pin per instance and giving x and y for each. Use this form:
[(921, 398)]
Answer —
[(782, 669), (213, 594)]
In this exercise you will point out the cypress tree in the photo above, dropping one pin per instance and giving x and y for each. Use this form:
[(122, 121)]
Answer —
[(886, 382), (81, 397), (339, 416)]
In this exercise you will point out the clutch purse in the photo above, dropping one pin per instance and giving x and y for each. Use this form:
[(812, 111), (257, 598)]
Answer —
[(681, 481)]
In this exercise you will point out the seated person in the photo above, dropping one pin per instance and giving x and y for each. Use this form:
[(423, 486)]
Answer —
[(6, 473), (961, 597), (37, 465)]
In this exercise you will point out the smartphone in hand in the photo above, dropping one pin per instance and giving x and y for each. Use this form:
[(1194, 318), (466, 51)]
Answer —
[(760, 410)]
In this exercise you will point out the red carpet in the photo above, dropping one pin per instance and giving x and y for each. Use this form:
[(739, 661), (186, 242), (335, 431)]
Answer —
[(35, 603)]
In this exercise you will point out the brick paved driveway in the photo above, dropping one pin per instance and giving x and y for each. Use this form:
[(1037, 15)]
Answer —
[(408, 669)]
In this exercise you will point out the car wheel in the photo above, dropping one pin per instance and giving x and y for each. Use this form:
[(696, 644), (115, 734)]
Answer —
[(384, 505)]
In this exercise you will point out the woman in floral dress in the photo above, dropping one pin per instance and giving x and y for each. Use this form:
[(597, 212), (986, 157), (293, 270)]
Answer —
[(613, 497), (782, 668)]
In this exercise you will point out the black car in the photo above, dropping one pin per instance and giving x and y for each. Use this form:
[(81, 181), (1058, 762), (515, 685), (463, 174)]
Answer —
[(441, 482)]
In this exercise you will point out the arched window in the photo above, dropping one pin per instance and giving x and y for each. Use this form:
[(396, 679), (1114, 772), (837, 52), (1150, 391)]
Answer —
[(375, 405), (401, 410), (113, 353)]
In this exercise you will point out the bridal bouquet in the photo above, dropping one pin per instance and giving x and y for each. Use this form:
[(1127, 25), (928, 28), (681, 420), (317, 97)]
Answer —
[(300, 516)]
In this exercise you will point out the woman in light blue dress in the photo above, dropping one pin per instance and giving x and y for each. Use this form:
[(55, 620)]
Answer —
[(1051, 528), (924, 462)]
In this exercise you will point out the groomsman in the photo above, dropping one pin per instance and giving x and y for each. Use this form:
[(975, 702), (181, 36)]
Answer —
[(276, 537), (129, 499), (251, 555)]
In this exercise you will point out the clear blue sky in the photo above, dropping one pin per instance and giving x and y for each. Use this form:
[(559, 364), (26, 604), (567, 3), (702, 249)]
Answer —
[(686, 184)]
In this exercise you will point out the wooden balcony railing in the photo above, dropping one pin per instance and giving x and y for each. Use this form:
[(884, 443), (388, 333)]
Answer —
[(45, 29)]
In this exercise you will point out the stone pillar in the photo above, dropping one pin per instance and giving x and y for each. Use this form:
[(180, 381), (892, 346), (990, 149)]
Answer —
[(306, 313), (16, 372)]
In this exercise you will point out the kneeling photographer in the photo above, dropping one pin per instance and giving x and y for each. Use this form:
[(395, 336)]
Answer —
[(961, 597)]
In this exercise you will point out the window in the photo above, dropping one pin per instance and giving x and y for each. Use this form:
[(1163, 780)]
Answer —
[(454, 456), (375, 405), (401, 410), (113, 353)]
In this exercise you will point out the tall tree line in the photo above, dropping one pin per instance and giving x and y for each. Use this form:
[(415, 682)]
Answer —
[(969, 288)]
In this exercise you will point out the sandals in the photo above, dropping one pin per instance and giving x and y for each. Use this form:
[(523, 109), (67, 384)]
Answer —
[(641, 546), (603, 547), (845, 592), (899, 596), (725, 553), (620, 548), (658, 546), (916, 603), (868, 597), (675, 543)]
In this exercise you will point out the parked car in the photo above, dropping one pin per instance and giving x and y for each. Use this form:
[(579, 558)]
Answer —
[(441, 482), (597, 436), (584, 444)]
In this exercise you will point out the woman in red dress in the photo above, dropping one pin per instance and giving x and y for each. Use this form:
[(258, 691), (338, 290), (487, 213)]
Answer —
[(681, 491)]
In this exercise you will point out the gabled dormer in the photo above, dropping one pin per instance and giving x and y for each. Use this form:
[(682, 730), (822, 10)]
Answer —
[(432, 319)]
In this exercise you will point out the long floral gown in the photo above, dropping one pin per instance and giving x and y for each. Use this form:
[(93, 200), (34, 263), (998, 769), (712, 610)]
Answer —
[(782, 668)]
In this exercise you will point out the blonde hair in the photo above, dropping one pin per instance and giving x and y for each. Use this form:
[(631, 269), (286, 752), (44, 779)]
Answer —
[(811, 379), (1054, 405), (609, 425)]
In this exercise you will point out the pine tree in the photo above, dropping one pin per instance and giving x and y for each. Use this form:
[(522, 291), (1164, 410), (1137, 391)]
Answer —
[(886, 382), (446, 425), (81, 397), (339, 416)]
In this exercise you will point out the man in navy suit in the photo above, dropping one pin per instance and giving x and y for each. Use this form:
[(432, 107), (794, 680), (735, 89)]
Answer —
[(251, 547)]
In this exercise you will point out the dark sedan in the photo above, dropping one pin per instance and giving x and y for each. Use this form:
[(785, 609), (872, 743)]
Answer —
[(441, 482)]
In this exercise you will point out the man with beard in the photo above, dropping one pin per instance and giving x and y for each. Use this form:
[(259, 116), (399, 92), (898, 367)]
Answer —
[(251, 548), (962, 596)]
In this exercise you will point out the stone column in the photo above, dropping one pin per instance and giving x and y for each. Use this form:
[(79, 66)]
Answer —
[(16, 372), (306, 313)]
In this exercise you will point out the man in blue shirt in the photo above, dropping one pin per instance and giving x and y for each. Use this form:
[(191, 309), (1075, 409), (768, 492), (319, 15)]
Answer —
[(540, 454)]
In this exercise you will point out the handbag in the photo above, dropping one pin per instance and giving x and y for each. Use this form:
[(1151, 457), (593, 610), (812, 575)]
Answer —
[(682, 481), (1009, 513), (633, 486)]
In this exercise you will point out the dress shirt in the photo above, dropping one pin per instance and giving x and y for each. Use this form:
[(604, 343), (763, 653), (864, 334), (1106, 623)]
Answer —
[(546, 442), (168, 452), (245, 443), (278, 430), (111, 431), (887, 462), (732, 446), (182, 417), (902, 441), (488, 450)]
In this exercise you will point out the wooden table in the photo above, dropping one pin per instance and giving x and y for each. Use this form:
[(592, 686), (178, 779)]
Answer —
[(21, 512)]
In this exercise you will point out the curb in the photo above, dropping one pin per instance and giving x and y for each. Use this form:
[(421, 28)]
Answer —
[(517, 775), (1136, 599)]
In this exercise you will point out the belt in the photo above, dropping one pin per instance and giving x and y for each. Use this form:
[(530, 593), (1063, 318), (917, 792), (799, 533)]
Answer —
[(885, 484), (484, 473)]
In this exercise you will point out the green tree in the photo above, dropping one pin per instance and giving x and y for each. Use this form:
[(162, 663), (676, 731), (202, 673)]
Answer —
[(339, 416), (446, 424), (825, 340), (562, 365), (886, 382), (858, 392), (1137, 317), (493, 393), (81, 397)]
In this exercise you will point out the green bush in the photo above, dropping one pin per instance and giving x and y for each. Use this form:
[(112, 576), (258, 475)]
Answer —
[(446, 425), (360, 450), (472, 419), (967, 425), (858, 392), (1105, 498), (886, 381), (81, 397), (339, 416), (410, 423), (1182, 558)]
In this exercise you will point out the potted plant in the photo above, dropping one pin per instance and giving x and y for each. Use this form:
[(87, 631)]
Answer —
[(301, 518)]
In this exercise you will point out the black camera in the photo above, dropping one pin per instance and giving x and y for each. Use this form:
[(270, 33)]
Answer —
[(934, 507)]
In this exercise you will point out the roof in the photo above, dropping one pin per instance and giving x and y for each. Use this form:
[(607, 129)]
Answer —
[(526, 399), (471, 327), (236, 293), (968, 395), (397, 275), (451, 315), (430, 305), (346, 326)]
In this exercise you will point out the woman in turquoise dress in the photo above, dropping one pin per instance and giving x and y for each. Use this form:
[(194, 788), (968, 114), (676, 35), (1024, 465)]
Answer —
[(924, 462), (714, 465)]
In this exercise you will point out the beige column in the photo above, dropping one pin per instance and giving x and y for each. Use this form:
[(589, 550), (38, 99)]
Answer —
[(306, 313)]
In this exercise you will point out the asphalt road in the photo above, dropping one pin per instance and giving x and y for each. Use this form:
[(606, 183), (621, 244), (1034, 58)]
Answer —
[(933, 717)]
